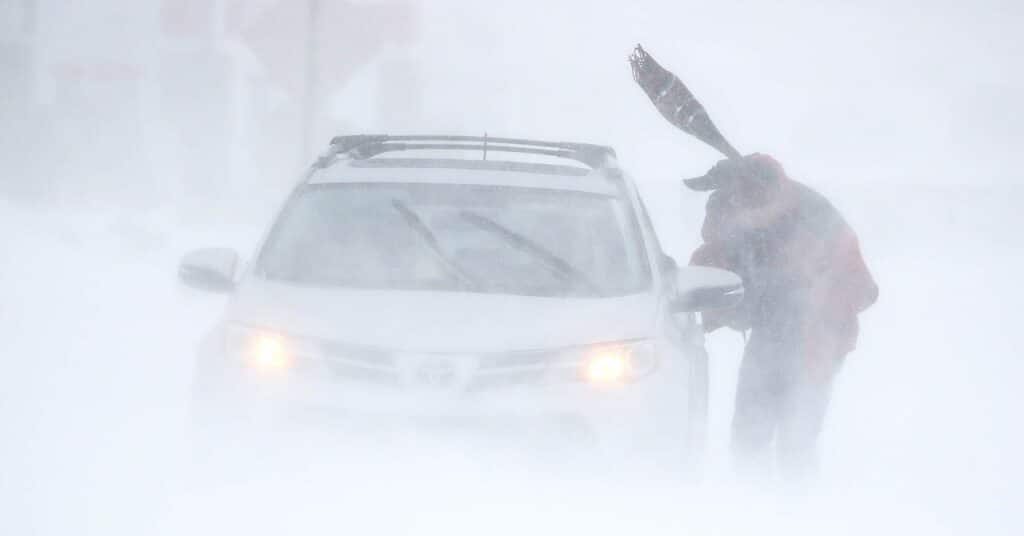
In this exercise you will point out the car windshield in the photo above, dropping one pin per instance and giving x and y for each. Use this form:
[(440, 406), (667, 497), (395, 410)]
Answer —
[(504, 240)]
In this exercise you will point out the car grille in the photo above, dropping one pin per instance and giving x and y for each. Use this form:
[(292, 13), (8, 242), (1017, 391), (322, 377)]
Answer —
[(519, 368), (482, 371), (359, 363)]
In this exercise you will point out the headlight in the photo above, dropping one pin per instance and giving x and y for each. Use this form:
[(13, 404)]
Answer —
[(616, 363), (260, 349)]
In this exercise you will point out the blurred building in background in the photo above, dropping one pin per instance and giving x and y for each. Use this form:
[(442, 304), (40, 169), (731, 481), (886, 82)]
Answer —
[(17, 33), (180, 100)]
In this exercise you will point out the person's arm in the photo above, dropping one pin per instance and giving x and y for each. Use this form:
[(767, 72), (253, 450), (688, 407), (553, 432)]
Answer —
[(713, 228), (716, 255)]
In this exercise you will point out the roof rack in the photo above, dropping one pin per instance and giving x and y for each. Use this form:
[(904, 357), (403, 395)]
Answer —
[(364, 146)]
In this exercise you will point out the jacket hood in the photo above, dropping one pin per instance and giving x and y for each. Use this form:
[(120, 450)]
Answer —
[(730, 173)]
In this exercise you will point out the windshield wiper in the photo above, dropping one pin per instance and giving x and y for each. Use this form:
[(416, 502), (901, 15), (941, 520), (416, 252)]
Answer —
[(560, 266), (430, 239)]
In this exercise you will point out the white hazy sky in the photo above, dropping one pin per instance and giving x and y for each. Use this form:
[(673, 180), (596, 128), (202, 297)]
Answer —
[(865, 91)]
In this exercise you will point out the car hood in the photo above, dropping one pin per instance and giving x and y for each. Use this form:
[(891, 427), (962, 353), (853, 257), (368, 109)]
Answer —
[(428, 321)]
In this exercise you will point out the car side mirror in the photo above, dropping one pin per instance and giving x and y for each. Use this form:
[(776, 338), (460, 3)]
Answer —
[(702, 288), (210, 269)]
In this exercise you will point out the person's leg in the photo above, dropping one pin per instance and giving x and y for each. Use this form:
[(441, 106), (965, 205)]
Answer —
[(757, 410), (802, 417)]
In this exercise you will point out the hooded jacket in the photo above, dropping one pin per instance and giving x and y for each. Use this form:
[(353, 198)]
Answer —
[(800, 262)]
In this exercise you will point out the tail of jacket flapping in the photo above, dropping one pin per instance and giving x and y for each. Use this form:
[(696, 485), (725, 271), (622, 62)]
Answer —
[(675, 102)]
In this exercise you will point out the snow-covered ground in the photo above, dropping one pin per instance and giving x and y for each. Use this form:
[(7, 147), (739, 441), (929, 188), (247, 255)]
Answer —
[(96, 348)]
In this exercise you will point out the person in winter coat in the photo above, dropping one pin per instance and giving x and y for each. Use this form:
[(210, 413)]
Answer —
[(805, 283)]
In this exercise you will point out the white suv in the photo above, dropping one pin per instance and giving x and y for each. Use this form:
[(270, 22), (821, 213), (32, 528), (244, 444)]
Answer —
[(525, 297)]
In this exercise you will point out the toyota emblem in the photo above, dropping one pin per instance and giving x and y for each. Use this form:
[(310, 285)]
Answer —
[(439, 372)]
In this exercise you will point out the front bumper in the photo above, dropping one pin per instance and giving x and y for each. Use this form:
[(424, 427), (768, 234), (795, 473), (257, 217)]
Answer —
[(644, 414)]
